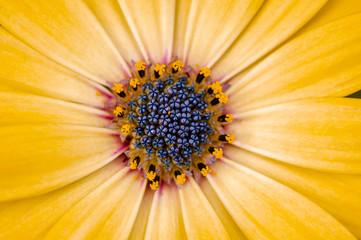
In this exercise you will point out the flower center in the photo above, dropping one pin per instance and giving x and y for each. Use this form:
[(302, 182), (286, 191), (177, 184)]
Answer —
[(173, 119)]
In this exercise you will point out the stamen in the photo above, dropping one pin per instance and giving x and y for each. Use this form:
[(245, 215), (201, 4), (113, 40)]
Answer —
[(215, 88), (177, 66), (134, 163), (205, 170), (125, 129), (180, 177), (227, 138), (134, 82), (230, 138), (203, 73), (118, 111), (217, 152), (220, 98), (154, 185), (226, 118), (140, 68), (151, 173), (229, 118), (118, 88), (159, 69), (223, 98)]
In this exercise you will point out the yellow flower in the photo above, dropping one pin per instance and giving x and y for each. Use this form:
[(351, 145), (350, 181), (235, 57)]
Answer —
[(292, 172)]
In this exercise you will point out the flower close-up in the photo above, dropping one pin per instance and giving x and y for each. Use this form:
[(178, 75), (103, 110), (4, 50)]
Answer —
[(180, 119)]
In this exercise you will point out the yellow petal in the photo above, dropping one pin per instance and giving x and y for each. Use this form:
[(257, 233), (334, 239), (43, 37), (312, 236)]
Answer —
[(38, 158), (332, 10), (338, 194), (112, 19), (322, 62), (140, 223), (180, 27), (200, 220), (322, 134), (152, 23), (276, 21), (23, 108), (67, 32), (229, 224), (266, 209), (23, 69), (106, 213), (212, 26), (165, 219), (31, 218)]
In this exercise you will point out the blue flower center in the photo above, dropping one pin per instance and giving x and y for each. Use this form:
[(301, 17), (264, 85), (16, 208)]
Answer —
[(173, 120)]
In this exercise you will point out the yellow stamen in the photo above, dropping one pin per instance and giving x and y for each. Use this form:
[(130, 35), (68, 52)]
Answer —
[(118, 88), (178, 65), (205, 171), (134, 82), (154, 185), (133, 164), (118, 111), (125, 129), (140, 65), (168, 112), (216, 87), (98, 93), (229, 118), (222, 98), (135, 177), (218, 152), (230, 138), (160, 68), (181, 178), (151, 175), (205, 71)]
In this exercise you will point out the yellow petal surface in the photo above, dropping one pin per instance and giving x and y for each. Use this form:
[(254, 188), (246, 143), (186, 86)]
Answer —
[(212, 26), (67, 32), (322, 134), (200, 220), (228, 222), (38, 158), (106, 213), (24, 69), (141, 221), (32, 218), (112, 19), (152, 23), (322, 62), (276, 21), (338, 194), (332, 10), (23, 108), (266, 209), (180, 27), (165, 219)]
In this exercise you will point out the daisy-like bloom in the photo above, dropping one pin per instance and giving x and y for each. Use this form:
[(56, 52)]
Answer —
[(180, 119)]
